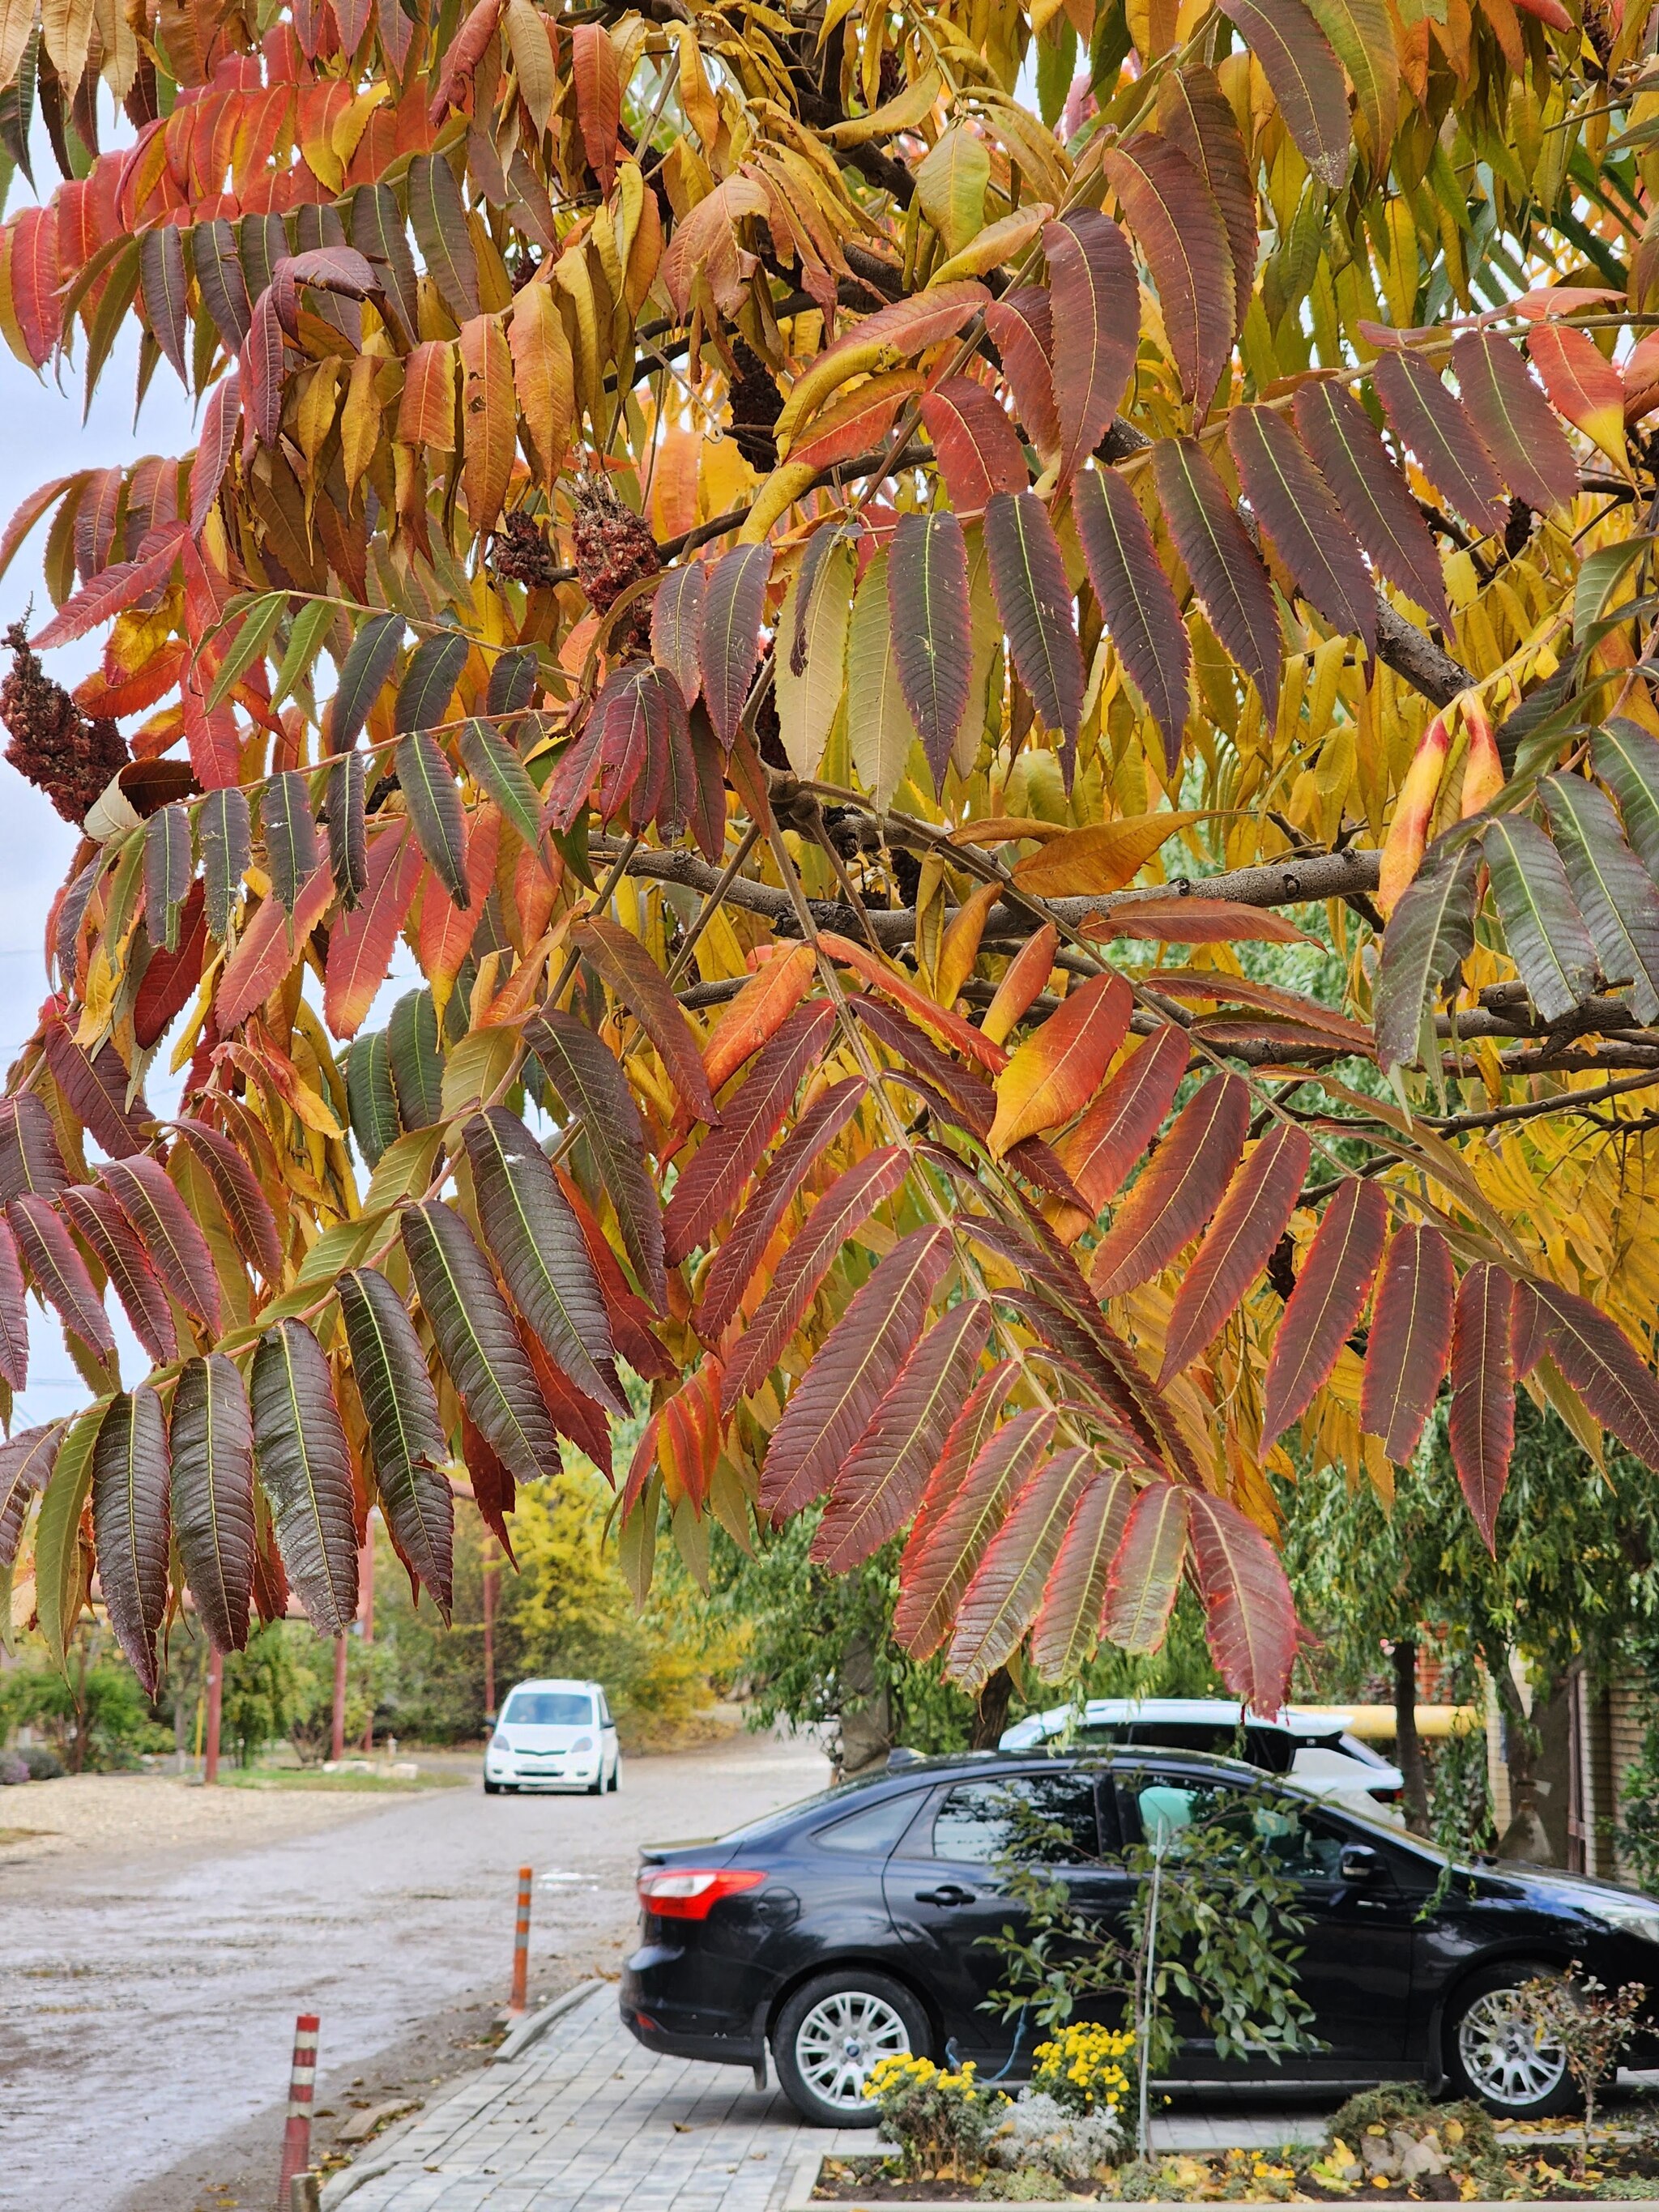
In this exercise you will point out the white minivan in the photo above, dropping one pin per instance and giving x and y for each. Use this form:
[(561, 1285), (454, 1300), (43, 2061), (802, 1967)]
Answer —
[(554, 1736)]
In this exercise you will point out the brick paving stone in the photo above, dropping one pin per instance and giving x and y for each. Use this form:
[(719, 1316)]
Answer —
[(586, 2121)]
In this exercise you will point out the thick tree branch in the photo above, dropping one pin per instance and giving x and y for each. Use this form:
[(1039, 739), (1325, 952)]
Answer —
[(1316, 876)]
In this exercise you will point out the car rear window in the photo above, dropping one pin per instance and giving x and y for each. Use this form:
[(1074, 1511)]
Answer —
[(548, 1709), (873, 1832), (979, 1821)]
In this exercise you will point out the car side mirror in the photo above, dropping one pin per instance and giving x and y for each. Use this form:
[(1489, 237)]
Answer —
[(1359, 1862)]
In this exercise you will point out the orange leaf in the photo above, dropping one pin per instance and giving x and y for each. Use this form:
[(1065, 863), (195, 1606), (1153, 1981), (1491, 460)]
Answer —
[(269, 947), (898, 986), (1102, 858), (760, 1009), (489, 419), (426, 412), (1056, 1071), (1408, 832), (448, 930), (360, 946), (1582, 384), (1186, 919), (1027, 973)]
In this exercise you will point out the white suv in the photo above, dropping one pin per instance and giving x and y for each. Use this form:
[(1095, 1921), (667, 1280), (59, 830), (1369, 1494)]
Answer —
[(1311, 1749), (554, 1736)]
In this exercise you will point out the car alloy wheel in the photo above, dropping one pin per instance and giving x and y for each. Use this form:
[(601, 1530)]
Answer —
[(839, 2042), (1502, 2054)]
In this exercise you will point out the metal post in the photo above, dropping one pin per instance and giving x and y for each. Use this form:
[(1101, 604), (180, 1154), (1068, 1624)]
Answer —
[(489, 1626), (303, 2084), (1144, 2025), (337, 1752), (518, 2003), (215, 1689), (366, 1583)]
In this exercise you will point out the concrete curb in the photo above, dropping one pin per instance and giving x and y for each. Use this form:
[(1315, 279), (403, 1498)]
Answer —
[(532, 2030), (387, 2152)]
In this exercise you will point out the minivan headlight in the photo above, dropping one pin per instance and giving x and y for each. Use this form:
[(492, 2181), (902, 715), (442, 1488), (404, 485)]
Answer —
[(1630, 1916), (500, 1744), (583, 1743)]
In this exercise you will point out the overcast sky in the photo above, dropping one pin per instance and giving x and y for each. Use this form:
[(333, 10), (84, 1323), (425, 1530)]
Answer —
[(43, 437)]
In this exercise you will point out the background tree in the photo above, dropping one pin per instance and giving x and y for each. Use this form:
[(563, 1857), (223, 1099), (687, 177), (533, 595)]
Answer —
[(739, 540)]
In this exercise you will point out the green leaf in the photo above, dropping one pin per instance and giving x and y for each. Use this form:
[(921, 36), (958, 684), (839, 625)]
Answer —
[(1626, 758), (211, 1440), (1614, 892), (479, 1345), (1599, 574), (878, 726), (305, 642), (434, 807), (168, 868), (438, 218), (305, 1468), (537, 1243), (496, 770), (406, 1441), (1430, 933), (1544, 930), (590, 1082), (371, 1100), (951, 183), (345, 802), (227, 848), (130, 1473), (429, 685), (418, 1063), (251, 639), (290, 835), (60, 1575), (369, 661)]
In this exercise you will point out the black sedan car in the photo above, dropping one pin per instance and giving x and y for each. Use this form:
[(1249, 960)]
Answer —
[(849, 1927)]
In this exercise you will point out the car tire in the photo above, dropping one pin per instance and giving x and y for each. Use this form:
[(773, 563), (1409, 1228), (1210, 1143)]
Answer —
[(616, 1777), (492, 1788), (596, 1786), (832, 2031), (1490, 2055)]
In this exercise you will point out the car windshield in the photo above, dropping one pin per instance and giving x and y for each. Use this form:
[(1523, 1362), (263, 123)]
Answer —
[(548, 1709)]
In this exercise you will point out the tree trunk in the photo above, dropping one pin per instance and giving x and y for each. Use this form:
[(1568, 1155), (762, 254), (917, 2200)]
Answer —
[(1408, 1750), (865, 1713), (991, 1710)]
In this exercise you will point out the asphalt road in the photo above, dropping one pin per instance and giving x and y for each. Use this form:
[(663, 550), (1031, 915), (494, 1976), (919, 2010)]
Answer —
[(147, 2002)]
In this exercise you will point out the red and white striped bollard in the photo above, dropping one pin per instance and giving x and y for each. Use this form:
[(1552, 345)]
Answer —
[(302, 2088), (518, 2003)]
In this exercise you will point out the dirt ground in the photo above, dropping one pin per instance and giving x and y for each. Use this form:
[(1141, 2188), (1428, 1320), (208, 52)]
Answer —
[(161, 1938)]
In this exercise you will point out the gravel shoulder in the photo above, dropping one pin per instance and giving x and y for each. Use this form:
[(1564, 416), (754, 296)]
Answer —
[(160, 1942)]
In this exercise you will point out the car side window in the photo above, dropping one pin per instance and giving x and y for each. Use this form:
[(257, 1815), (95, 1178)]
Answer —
[(872, 1833), (604, 1711), (978, 1821), (1298, 1841)]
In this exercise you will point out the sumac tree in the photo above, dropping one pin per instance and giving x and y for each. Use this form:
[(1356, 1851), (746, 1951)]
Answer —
[(852, 624)]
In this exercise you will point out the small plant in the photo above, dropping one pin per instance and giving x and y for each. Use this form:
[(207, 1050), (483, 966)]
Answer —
[(1082, 2068), (1397, 2133), (1591, 2025), (941, 2122), (1069, 2145)]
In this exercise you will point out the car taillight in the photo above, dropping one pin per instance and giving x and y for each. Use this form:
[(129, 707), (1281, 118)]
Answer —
[(692, 1892)]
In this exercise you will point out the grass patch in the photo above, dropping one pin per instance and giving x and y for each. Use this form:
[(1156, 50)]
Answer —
[(23, 1835), (301, 1778)]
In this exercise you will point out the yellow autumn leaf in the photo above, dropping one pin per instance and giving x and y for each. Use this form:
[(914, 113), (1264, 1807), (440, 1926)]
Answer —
[(1102, 858)]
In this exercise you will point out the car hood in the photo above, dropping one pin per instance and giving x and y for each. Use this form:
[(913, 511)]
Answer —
[(545, 1739), (1581, 1891)]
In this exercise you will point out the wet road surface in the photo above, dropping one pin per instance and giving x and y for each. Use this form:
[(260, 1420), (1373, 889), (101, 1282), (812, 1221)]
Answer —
[(146, 2003)]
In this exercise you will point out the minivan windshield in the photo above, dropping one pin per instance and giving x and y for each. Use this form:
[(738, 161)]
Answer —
[(548, 1709)]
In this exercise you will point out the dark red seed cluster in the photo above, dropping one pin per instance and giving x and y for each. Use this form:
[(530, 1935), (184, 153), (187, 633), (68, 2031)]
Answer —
[(757, 404), (614, 548), (68, 755), (521, 552)]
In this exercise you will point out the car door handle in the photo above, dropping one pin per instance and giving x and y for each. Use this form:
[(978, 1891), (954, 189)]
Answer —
[(949, 1892)]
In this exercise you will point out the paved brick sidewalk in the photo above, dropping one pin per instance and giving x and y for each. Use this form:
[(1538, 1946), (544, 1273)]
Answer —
[(586, 2121)]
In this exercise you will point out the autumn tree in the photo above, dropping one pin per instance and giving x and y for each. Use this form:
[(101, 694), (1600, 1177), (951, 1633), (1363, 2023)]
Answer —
[(842, 615)]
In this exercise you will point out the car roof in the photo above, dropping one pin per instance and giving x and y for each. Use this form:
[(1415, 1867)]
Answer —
[(553, 1682), (1224, 1712)]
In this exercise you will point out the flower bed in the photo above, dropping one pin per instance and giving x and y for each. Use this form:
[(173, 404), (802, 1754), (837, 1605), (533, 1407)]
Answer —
[(957, 2142)]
